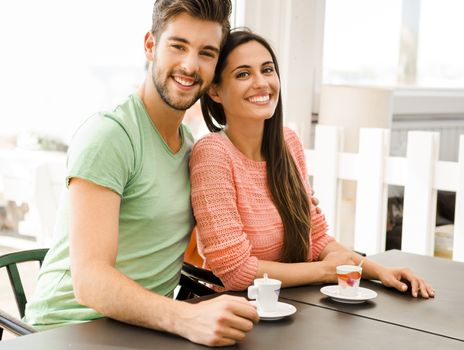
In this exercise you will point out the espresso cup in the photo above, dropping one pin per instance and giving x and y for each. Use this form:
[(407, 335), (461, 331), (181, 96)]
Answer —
[(266, 292), (349, 277)]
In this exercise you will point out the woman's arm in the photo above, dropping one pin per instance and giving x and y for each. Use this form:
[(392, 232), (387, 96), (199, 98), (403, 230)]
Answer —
[(296, 274), (399, 278), (322, 271), (221, 239), (224, 244)]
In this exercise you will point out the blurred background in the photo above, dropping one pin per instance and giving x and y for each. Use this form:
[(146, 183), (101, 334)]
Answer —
[(64, 60)]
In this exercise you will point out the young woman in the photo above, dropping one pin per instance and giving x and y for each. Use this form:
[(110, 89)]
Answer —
[(250, 190)]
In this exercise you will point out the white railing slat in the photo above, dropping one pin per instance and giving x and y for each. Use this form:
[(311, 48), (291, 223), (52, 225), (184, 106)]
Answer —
[(420, 198), (371, 191), (327, 148), (458, 236), (311, 161)]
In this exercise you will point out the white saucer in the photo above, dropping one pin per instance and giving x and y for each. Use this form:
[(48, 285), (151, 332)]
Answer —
[(283, 310), (364, 294)]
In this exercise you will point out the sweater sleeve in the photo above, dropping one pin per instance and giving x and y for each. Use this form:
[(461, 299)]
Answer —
[(318, 235), (221, 239)]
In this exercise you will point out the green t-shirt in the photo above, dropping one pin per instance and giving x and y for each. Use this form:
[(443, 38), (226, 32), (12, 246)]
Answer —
[(122, 151)]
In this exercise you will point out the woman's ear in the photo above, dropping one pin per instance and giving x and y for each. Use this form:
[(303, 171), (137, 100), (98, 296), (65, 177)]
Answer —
[(214, 94)]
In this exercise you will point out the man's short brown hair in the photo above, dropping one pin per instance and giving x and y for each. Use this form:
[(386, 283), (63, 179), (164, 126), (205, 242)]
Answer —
[(209, 10)]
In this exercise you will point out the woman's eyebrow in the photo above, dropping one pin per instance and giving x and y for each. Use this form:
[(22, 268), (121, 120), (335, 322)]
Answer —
[(268, 62), (241, 67), (248, 66)]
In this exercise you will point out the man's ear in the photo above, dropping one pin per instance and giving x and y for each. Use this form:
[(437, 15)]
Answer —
[(213, 93), (149, 45)]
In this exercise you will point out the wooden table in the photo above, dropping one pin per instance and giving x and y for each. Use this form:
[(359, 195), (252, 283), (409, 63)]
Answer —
[(310, 328), (442, 315), (390, 321)]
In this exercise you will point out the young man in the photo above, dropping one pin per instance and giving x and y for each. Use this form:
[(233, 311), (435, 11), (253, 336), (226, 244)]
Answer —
[(122, 231)]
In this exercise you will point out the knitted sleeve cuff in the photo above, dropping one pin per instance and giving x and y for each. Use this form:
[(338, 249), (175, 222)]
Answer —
[(242, 277)]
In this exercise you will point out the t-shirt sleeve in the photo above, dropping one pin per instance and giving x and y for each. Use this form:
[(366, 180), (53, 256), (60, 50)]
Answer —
[(318, 236), (221, 239), (101, 152)]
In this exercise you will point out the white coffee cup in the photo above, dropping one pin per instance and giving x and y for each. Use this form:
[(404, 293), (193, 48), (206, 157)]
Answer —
[(349, 277), (266, 292)]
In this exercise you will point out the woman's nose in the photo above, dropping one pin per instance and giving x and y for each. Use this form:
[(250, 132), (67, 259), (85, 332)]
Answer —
[(259, 80)]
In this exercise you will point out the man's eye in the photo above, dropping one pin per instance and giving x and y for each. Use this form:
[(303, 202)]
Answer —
[(208, 54), (178, 47)]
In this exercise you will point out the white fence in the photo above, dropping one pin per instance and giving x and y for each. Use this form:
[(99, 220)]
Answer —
[(420, 172), (372, 168)]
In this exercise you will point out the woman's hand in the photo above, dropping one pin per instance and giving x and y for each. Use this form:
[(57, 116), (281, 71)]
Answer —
[(396, 278), (332, 260)]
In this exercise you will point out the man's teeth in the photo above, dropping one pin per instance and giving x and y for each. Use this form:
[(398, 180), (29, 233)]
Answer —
[(259, 98), (183, 81)]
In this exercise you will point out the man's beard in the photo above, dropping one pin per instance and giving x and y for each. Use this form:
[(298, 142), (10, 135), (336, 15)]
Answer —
[(161, 83)]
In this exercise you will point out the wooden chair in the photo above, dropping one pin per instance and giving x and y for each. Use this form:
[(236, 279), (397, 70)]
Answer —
[(191, 285), (10, 262)]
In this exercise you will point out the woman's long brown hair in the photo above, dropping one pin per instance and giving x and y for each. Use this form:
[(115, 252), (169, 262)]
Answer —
[(283, 178)]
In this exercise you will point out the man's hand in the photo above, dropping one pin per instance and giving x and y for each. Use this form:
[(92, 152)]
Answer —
[(221, 321), (315, 202), (394, 277)]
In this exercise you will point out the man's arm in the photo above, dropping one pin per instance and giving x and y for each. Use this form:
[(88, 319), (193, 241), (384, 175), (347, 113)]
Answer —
[(99, 285)]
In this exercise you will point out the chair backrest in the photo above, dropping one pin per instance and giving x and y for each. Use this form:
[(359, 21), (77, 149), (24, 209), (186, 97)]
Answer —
[(10, 261), (196, 282), (192, 256)]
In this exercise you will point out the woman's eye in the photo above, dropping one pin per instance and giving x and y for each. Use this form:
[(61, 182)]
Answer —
[(268, 70), (243, 75), (178, 47)]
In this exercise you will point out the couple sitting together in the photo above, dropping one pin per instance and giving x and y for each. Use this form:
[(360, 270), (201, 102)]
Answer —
[(133, 178)]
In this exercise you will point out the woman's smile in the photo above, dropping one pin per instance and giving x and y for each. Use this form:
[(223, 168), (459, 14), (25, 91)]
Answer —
[(260, 99)]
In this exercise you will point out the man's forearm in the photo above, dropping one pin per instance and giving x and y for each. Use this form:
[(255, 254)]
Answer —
[(111, 293)]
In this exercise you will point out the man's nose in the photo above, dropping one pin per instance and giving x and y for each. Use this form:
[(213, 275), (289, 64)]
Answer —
[(190, 64)]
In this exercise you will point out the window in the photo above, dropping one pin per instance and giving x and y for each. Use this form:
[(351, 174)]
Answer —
[(440, 48), (361, 41), (64, 60), (415, 43)]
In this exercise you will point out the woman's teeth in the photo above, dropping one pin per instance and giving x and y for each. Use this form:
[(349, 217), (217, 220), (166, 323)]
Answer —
[(264, 98)]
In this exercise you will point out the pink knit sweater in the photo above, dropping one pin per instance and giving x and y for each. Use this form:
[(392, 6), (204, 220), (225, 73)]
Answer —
[(236, 219)]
